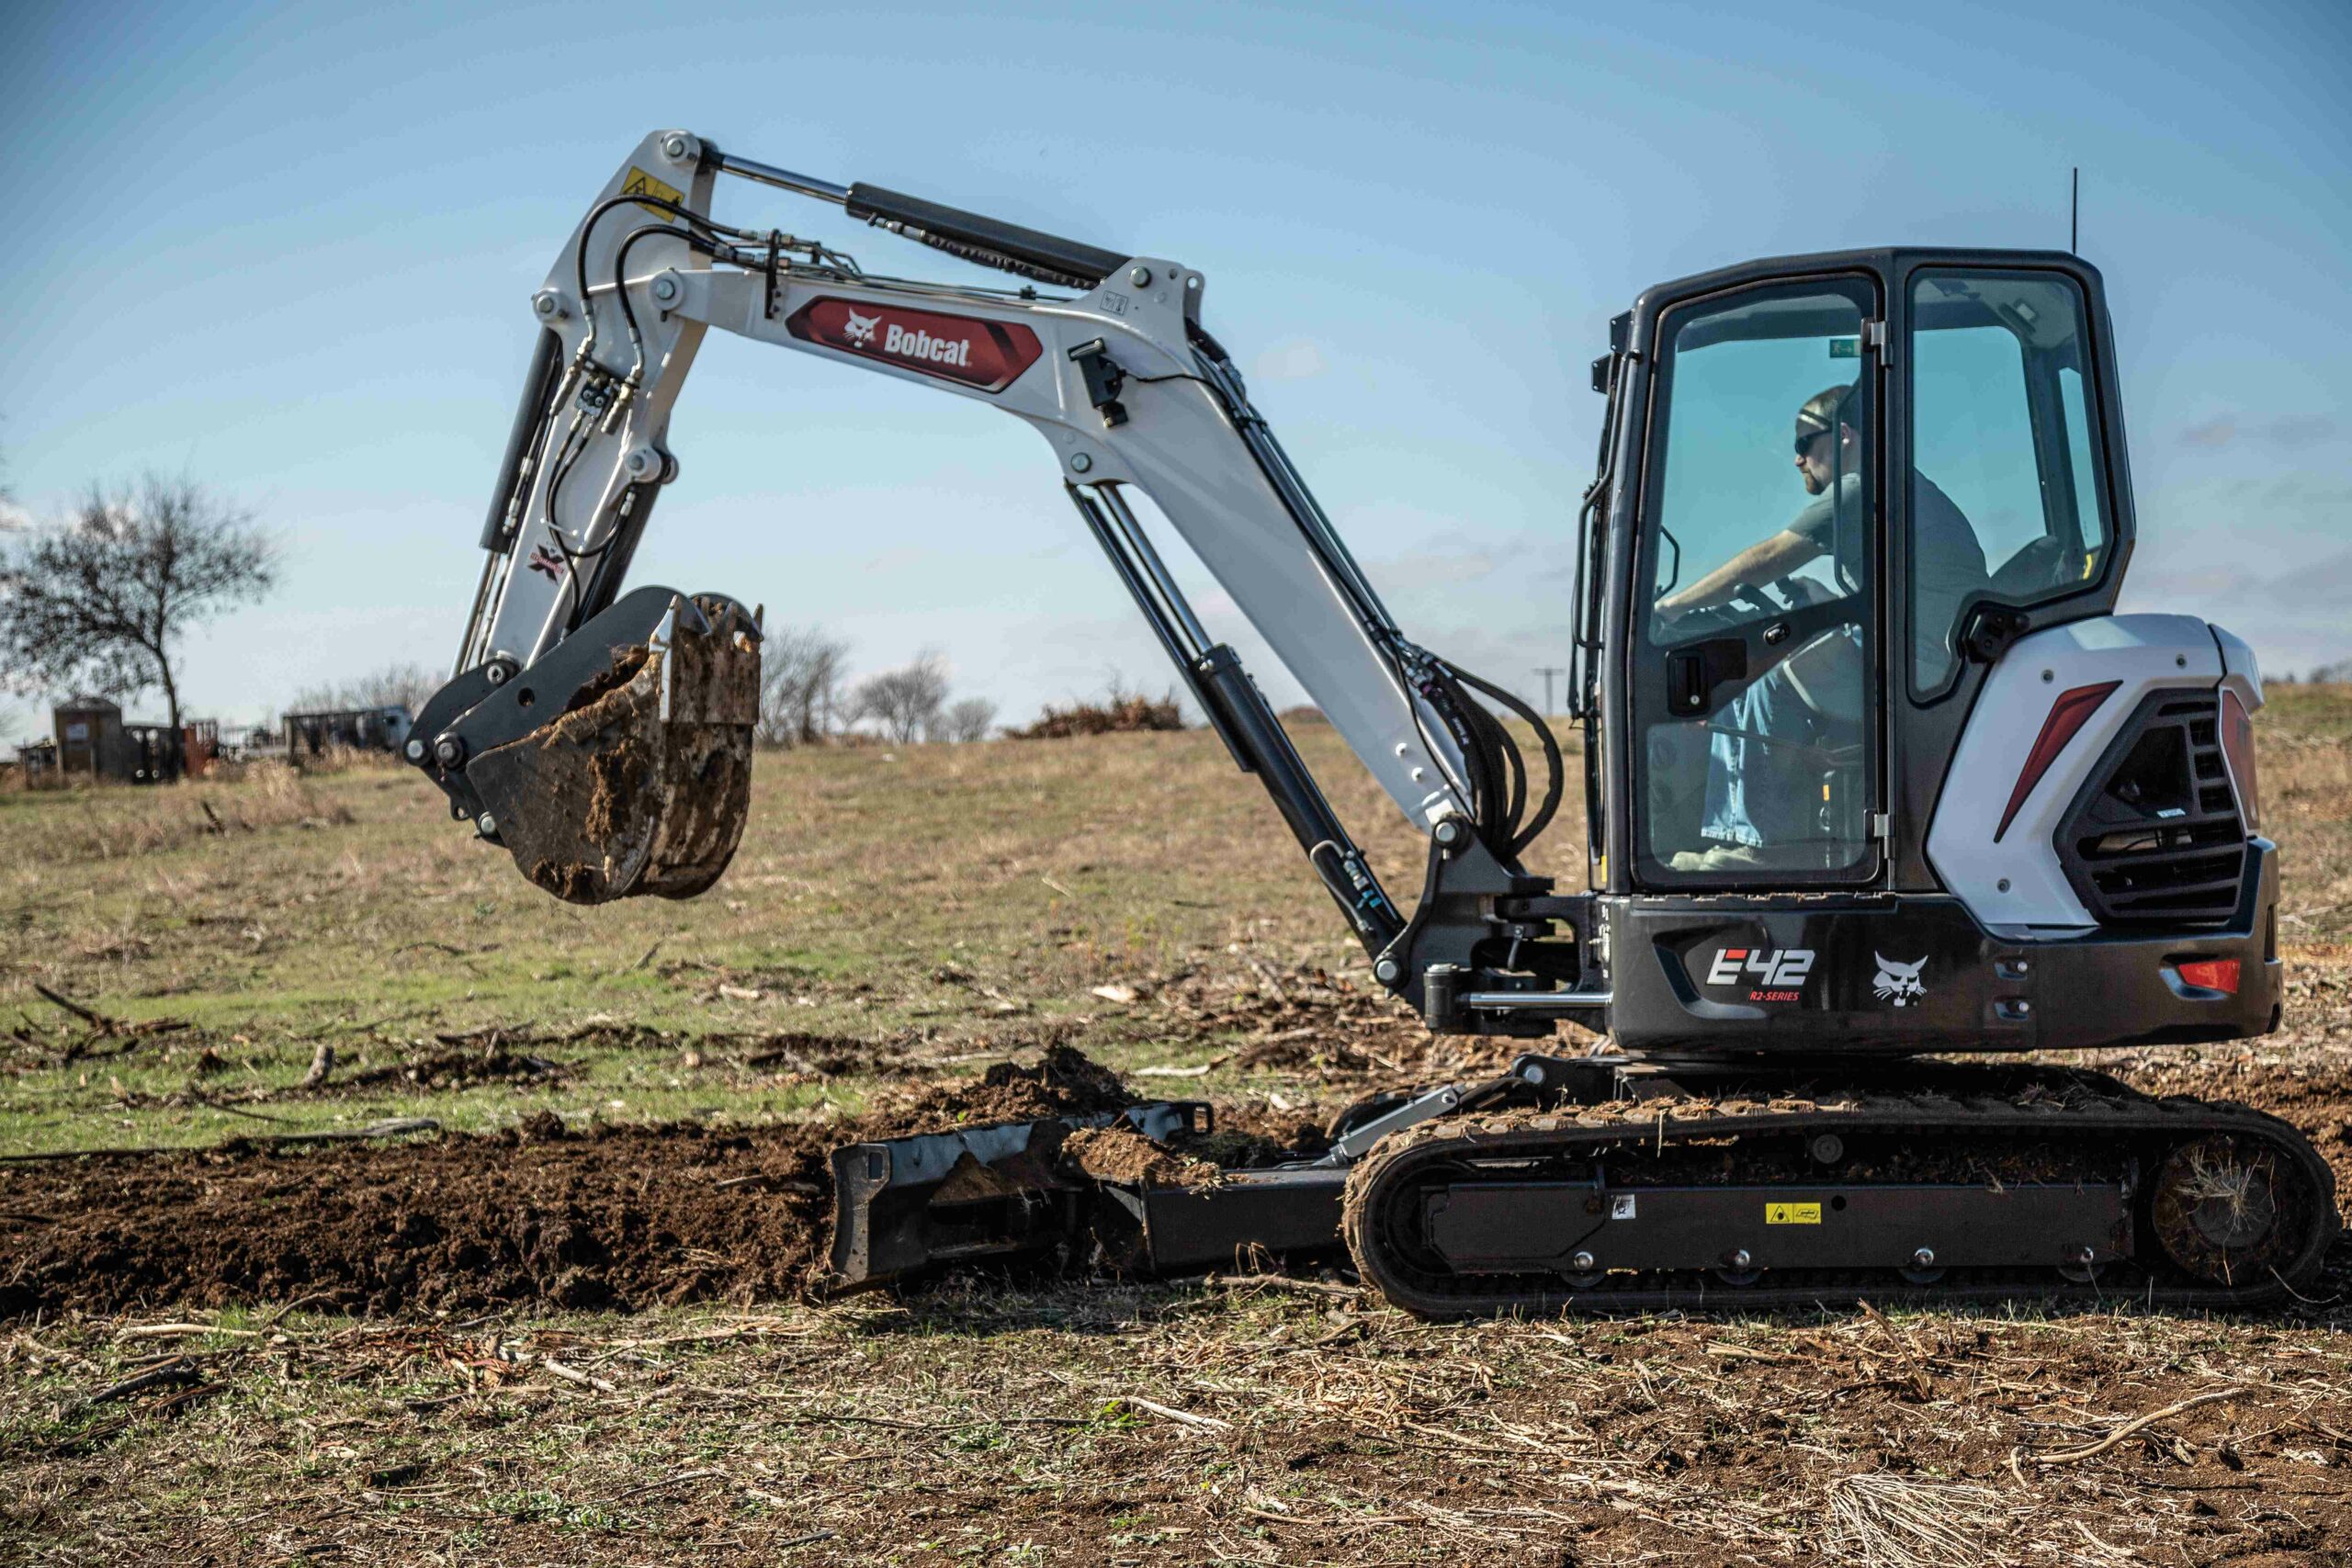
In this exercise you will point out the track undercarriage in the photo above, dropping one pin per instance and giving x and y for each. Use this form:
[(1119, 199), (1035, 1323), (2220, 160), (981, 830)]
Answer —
[(1729, 1189), (1600, 1185)]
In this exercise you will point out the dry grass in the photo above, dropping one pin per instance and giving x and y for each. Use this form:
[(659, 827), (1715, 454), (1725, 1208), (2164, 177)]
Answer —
[(1880, 1520), (922, 910), (84, 822), (1184, 1423)]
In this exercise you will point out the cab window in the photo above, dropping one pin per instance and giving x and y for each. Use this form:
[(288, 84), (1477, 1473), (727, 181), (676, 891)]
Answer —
[(2006, 498)]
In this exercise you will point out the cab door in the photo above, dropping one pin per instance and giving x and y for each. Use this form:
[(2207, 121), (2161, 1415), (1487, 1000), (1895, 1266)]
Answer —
[(1754, 646)]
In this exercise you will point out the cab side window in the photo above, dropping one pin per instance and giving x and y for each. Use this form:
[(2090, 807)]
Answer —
[(2006, 495)]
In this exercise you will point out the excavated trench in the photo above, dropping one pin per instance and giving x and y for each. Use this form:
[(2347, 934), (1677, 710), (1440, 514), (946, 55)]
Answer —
[(613, 1217), (617, 1217)]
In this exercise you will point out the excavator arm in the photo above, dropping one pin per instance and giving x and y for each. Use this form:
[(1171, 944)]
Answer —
[(605, 738)]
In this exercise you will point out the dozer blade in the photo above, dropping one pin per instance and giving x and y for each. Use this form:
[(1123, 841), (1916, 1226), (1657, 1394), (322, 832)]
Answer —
[(997, 1194), (1007, 1192), (640, 781)]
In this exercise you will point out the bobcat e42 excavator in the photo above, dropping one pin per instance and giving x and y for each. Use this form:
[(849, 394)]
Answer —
[(1892, 782)]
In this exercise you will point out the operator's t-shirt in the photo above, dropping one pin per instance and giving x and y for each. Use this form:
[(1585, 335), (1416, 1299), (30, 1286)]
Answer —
[(1947, 562)]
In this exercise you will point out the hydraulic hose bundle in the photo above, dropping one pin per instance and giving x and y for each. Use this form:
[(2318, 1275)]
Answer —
[(1491, 755)]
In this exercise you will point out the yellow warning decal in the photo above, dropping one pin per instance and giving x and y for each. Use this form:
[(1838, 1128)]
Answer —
[(1791, 1213), (639, 183)]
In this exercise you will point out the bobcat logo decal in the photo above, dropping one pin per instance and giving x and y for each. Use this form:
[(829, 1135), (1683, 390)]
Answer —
[(1898, 982), (860, 330)]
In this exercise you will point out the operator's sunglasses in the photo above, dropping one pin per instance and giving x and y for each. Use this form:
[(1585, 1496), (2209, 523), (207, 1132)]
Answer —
[(1804, 443)]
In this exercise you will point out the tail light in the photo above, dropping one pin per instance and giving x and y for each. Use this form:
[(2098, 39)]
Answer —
[(2213, 974), (2237, 745), (2067, 716)]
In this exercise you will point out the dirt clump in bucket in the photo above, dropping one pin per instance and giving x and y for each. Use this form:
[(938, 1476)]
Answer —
[(1124, 1154)]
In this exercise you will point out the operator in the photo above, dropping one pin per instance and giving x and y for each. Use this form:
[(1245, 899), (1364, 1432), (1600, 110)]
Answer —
[(1814, 698), (1946, 561)]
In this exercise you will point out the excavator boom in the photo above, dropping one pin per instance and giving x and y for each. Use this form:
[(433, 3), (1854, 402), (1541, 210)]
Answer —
[(1132, 395)]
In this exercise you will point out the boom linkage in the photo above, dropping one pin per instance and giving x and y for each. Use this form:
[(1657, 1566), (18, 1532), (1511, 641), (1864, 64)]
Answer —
[(1130, 393)]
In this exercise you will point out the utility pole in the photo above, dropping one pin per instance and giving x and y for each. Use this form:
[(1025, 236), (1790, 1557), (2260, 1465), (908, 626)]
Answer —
[(1547, 672)]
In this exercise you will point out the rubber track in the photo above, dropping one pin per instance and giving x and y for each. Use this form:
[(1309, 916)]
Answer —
[(2093, 1107)]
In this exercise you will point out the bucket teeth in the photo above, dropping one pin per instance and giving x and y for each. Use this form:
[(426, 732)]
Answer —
[(642, 783)]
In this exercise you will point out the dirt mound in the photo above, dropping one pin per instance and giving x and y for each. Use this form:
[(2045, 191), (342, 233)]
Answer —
[(1065, 1083), (468, 1066), (620, 1217), (1122, 1154)]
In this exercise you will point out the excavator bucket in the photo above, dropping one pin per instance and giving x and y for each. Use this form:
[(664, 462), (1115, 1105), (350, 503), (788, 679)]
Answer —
[(641, 782)]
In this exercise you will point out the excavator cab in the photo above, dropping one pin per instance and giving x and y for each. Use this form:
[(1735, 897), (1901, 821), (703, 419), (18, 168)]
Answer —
[(1849, 482), (1862, 722)]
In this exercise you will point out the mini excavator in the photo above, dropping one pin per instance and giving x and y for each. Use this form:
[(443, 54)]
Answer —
[(1883, 783)]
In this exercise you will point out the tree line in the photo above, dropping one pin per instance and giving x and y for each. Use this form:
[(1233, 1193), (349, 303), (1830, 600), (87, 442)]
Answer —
[(806, 696), (99, 601)]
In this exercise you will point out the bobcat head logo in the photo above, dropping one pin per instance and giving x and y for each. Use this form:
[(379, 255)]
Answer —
[(860, 330), (1898, 982)]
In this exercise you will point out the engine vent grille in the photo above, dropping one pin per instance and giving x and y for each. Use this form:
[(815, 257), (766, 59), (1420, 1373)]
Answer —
[(2155, 836)]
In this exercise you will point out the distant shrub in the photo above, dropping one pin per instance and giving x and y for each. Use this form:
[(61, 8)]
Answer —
[(1116, 711)]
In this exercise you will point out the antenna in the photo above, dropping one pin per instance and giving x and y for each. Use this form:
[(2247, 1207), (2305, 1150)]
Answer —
[(2074, 215)]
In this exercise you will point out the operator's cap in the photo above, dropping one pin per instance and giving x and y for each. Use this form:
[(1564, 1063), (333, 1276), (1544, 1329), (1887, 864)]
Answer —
[(1822, 412)]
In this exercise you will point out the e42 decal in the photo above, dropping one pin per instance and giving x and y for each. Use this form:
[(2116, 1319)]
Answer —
[(1771, 975)]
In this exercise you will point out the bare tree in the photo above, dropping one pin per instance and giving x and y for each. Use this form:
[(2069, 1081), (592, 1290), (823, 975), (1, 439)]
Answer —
[(800, 685), (409, 686), (968, 719), (906, 703), (394, 686), (99, 602)]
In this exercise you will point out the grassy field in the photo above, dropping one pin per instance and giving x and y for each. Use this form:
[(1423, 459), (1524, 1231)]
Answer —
[(958, 899), (175, 960)]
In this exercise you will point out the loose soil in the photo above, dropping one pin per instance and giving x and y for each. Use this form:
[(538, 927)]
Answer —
[(608, 1217), (1065, 1083), (620, 1217), (464, 1067), (1121, 1154)]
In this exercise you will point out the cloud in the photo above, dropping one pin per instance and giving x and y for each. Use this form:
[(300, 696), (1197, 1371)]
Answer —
[(2289, 431), (2299, 430), (13, 518), (1293, 359), (2302, 488), (2294, 617)]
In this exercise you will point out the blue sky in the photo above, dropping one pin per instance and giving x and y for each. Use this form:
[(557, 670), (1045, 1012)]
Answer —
[(288, 250)]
